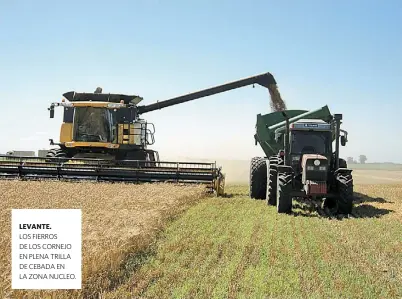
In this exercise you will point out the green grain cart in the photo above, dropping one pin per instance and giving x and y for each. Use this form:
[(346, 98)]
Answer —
[(301, 161)]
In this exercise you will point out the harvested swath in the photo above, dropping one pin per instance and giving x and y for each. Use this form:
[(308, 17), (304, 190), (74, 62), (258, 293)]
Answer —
[(117, 219), (277, 103)]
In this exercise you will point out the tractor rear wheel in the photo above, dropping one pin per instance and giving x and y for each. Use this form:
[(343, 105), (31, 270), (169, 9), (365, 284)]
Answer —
[(345, 192), (258, 178), (271, 182), (283, 197)]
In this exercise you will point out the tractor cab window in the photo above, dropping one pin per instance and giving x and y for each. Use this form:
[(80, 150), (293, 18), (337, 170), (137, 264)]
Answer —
[(92, 124), (310, 142)]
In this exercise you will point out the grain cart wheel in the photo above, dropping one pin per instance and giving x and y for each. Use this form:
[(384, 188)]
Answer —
[(271, 182), (344, 183), (55, 153), (258, 178), (283, 197)]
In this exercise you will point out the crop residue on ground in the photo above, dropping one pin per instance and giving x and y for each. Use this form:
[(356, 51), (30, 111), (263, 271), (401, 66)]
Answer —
[(117, 219)]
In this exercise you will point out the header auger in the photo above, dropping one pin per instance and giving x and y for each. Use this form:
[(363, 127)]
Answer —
[(103, 138)]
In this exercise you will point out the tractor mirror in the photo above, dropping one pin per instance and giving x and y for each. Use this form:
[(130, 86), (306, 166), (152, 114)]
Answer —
[(343, 140), (277, 136), (51, 109)]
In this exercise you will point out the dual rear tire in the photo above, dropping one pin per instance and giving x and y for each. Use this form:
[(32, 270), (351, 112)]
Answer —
[(272, 180), (258, 178), (263, 179)]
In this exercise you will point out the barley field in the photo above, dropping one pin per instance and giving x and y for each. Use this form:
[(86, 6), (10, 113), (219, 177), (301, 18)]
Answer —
[(119, 222), (166, 241)]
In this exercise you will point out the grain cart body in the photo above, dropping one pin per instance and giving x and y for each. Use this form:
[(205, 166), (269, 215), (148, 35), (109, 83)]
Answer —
[(301, 160), (268, 123)]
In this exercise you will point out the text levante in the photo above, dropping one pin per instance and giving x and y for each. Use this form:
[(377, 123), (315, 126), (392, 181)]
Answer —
[(34, 226)]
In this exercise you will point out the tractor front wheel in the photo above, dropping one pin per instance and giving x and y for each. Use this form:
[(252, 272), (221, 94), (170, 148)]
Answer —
[(283, 196), (345, 192), (258, 178)]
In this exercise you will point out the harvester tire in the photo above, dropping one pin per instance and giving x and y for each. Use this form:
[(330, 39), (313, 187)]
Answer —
[(284, 188), (55, 153), (258, 178), (271, 182), (345, 193)]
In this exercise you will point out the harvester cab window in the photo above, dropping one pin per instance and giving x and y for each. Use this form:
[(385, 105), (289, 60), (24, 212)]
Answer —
[(92, 124), (113, 125), (309, 142)]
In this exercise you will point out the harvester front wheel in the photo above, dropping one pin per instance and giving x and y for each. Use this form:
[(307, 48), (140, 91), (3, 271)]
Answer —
[(271, 182), (258, 178), (283, 196), (55, 153), (345, 192)]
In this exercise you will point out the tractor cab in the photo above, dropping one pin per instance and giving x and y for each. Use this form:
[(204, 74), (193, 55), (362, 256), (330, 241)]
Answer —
[(309, 138), (310, 149)]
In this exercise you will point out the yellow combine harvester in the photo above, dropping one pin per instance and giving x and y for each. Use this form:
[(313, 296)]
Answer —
[(103, 138), (103, 126)]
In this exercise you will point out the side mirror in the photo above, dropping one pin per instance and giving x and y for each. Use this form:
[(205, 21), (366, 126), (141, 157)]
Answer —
[(277, 136), (343, 140), (51, 109)]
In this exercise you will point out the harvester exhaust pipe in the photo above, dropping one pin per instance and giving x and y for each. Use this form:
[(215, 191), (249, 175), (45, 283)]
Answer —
[(51, 111)]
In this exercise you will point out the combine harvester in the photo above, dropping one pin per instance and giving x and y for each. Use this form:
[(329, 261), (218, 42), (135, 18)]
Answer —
[(103, 138)]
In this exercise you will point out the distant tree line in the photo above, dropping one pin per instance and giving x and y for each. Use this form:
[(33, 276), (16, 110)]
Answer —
[(362, 160)]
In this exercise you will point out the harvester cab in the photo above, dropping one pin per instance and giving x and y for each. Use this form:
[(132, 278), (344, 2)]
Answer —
[(97, 125), (301, 160)]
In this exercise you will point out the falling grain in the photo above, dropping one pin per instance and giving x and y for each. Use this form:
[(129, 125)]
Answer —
[(277, 103)]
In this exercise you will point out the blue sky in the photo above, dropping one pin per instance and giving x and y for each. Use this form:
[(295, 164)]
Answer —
[(347, 54)]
